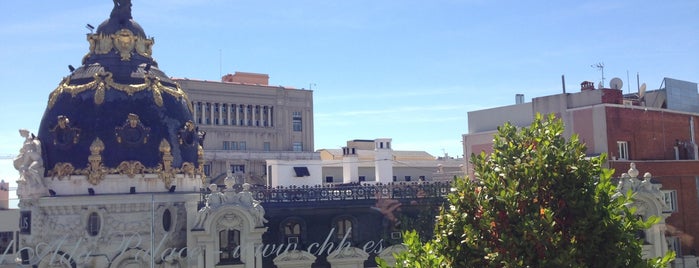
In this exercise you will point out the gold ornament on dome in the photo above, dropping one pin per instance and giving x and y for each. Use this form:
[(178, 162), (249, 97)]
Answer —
[(64, 136), (187, 135), (125, 42), (132, 132), (61, 170), (131, 168), (166, 173), (104, 80), (95, 169)]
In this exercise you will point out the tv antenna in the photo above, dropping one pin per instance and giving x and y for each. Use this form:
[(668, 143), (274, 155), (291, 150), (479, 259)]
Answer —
[(599, 66)]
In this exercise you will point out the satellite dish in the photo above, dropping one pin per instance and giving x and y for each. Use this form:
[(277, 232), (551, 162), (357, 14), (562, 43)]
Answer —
[(642, 90), (616, 83)]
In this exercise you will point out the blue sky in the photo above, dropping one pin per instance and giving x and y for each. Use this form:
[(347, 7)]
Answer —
[(407, 70)]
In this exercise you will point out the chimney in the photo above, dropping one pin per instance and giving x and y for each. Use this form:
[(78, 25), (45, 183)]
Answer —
[(587, 85), (350, 165), (383, 161), (246, 78), (519, 98)]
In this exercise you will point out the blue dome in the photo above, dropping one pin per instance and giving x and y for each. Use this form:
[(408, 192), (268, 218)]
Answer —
[(118, 112)]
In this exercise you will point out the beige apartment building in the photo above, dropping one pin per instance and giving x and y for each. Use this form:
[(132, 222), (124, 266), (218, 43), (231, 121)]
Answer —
[(248, 121)]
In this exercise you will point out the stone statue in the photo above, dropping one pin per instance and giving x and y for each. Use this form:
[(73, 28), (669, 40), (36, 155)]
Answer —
[(29, 162), (245, 199), (213, 200), (230, 194), (122, 10)]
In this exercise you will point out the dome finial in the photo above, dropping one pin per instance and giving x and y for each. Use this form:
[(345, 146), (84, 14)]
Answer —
[(122, 10)]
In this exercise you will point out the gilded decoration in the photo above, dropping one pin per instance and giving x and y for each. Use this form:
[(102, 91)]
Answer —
[(132, 132), (104, 80), (61, 170), (124, 41), (64, 136), (200, 160), (95, 169), (131, 168), (187, 134), (166, 172)]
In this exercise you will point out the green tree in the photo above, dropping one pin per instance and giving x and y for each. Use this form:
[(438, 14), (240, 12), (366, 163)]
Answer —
[(536, 201)]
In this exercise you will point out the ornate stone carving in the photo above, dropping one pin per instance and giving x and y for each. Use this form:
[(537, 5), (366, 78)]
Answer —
[(30, 166), (212, 201), (230, 221)]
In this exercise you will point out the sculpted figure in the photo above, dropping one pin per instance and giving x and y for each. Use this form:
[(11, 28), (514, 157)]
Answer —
[(29, 162), (245, 199), (230, 196), (213, 200), (122, 9)]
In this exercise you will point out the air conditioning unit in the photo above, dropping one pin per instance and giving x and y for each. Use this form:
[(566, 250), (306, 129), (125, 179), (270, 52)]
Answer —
[(292, 240)]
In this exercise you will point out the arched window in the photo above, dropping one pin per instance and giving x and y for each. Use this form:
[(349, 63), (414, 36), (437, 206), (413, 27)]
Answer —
[(94, 223), (344, 227), (229, 246), (292, 231)]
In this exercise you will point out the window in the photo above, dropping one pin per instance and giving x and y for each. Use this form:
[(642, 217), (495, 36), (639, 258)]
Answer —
[(343, 227), (226, 145), (301, 171), (292, 229), (266, 146), (6, 239), (167, 220), (207, 170), (296, 121), (224, 113), (93, 224), (242, 146), (297, 147), (407, 178), (670, 198), (329, 179), (623, 147), (238, 168), (229, 246), (395, 178)]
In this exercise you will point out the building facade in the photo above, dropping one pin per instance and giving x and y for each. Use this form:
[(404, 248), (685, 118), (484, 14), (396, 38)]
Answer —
[(655, 129), (247, 121)]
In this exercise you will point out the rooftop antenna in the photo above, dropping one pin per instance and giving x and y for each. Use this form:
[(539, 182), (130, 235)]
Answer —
[(90, 27), (599, 66)]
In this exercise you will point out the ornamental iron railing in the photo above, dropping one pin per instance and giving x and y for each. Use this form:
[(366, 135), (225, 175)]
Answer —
[(401, 190)]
